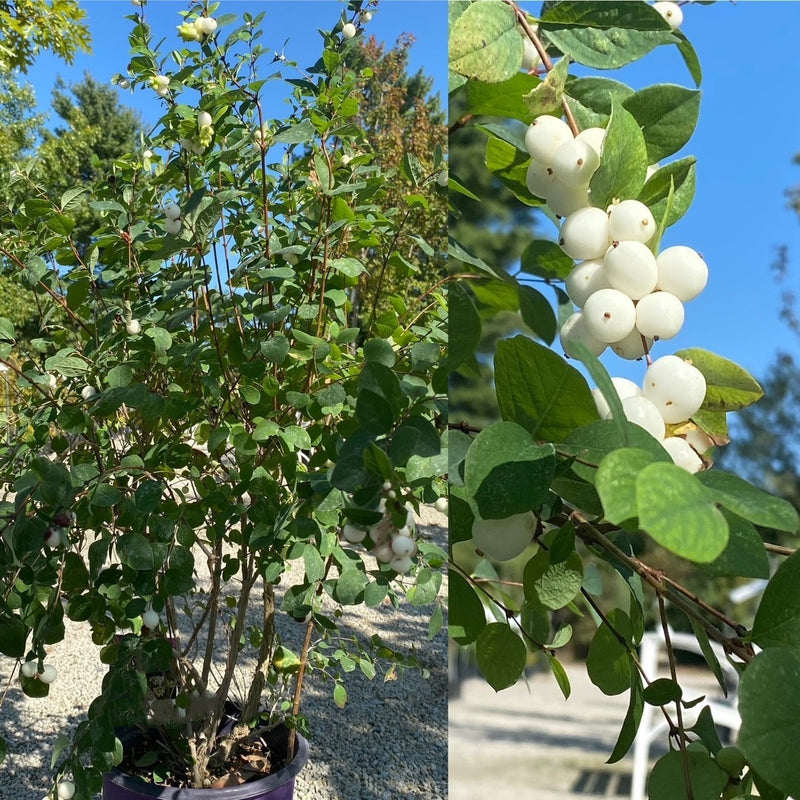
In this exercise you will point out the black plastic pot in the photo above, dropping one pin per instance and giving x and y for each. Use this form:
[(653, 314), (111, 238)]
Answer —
[(278, 786)]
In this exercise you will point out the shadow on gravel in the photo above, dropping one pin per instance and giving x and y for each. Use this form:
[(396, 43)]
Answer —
[(24, 775)]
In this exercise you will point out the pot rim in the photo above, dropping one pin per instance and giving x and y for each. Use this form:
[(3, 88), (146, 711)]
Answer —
[(243, 791)]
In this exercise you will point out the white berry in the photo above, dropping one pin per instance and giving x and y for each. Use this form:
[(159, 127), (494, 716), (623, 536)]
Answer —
[(574, 330), (204, 120), (403, 546), (539, 179), (441, 505), (640, 411), (53, 537), (151, 619), (660, 315), (504, 539), (530, 55), (565, 200), (48, 674), (671, 12), (682, 454), (609, 315), (401, 564), (594, 137), (699, 440), (625, 388), (172, 211), (28, 669), (206, 25), (575, 162), (173, 226), (133, 327), (675, 387), (631, 268), (632, 346), (353, 534), (348, 30), (682, 272), (584, 234), (545, 135), (631, 219), (366, 16), (383, 552), (66, 790), (584, 280)]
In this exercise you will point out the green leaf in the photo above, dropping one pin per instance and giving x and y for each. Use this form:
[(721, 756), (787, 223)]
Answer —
[(746, 500), (276, 348), (465, 325), (340, 695), (546, 260), (509, 165), (546, 97), (296, 437), (667, 779), (662, 691), (351, 267), (374, 412), (769, 702), (105, 495), (350, 586), (679, 513), (501, 655), (314, 563), (745, 556), (501, 99), (729, 386), (690, 58), (135, 551), (678, 176), (602, 15), (554, 585), (616, 483), (603, 44), (591, 444), (296, 134), (777, 621), (623, 168), (507, 472), (537, 313), (538, 390), (13, 635), (609, 661), (560, 674), (590, 99), (465, 617), (708, 653), (604, 383), (161, 337), (484, 43), (667, 115), (630, 725)]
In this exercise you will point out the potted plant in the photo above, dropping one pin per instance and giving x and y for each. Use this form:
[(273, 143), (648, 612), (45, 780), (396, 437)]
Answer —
[(209, 432)]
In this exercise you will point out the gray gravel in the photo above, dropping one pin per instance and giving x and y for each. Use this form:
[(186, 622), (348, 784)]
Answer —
[(388, 743)]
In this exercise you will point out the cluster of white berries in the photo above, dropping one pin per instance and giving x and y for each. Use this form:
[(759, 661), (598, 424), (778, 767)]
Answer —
[(173, 222), (349, 29), (563, 164), (628, 296), (390, 544), (672, 392), (30, 669), (198, 29)]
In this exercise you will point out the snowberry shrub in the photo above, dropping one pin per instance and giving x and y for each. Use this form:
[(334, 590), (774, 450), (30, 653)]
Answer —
[(204, 409), (587, 467)]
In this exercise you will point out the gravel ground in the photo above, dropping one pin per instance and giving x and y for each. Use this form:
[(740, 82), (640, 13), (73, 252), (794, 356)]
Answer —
[(388, 743)]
